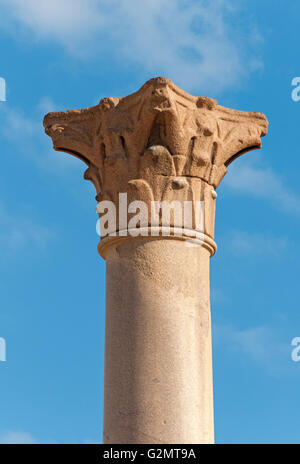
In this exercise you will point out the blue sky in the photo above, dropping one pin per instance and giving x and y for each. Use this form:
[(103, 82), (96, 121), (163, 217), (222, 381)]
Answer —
[(69, 54)]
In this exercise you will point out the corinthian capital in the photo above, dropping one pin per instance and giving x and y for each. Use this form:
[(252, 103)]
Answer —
[(159, 143)]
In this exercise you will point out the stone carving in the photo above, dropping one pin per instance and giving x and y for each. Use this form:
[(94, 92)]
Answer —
[(159, 143)]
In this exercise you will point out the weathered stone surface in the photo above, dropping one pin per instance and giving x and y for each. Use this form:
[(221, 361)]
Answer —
[(158, 376), (157, 144)]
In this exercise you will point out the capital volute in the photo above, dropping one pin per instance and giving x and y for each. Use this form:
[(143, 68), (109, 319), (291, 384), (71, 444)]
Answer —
[(158, 144)]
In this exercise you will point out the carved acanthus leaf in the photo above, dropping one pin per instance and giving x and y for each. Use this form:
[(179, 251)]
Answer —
[(159, 131)]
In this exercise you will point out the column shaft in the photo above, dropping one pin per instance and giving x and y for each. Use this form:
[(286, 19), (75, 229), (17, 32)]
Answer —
[(159, 145), (158, 360)]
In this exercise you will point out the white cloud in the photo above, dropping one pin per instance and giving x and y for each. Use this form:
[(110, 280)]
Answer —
[(26, 134), (262, 345), (17, 231), (243, 243), (17, 438), (46, 105), (262, 182), (57, 19), (22, 135), (14, 124), (197, 43)]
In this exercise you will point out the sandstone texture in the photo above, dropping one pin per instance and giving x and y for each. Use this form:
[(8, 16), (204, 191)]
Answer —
[(158, 144)]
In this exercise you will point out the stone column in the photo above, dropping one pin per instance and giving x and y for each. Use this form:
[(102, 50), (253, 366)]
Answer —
[(159, 147)]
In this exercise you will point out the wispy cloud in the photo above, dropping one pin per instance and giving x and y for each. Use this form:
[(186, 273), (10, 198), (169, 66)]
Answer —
[(16, 232), (250, 179), (25, 438), (17, 438), (265, 346), (14, 124), (46, 105), (243, 243), (197, 43), (26, 135)]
